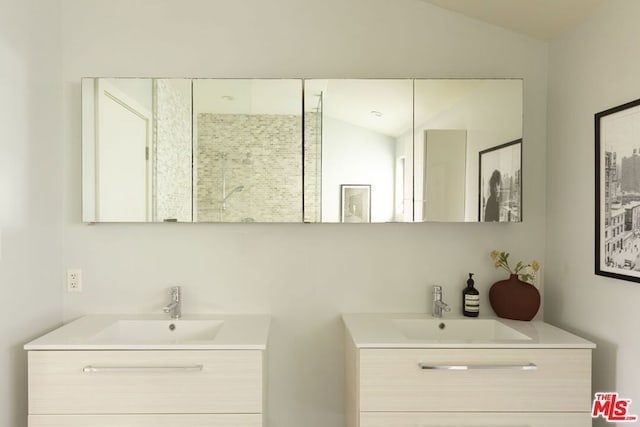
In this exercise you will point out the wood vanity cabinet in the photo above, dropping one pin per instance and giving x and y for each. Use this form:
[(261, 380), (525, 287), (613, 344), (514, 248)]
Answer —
[(188, 388), (408, 387)]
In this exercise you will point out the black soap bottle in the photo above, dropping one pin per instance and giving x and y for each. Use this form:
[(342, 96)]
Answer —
[(470, 299)]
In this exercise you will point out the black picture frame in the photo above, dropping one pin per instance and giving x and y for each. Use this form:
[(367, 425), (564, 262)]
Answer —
[(617, 192), (355, 203), (500, 165)]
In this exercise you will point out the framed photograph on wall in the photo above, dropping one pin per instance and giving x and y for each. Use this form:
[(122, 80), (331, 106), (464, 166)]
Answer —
[(500, 183), (355, 203), (617, 172)]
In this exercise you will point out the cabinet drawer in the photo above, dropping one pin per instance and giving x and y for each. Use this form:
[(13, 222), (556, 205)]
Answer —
[(151, 382), (400, 380), (390, 419), (219, 420)]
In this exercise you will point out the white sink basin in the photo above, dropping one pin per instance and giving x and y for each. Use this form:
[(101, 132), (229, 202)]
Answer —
[(158, 331), (458, 330), (155, 332)]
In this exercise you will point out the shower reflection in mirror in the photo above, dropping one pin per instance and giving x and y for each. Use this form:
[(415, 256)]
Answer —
[(248, 146), (416, 141), (182, 150)]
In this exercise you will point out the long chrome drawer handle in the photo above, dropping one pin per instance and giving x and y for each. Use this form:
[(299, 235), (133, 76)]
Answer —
[(529, 367), (97, 369)]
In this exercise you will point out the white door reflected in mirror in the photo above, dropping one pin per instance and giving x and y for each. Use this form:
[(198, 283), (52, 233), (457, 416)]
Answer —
[(123, 184)]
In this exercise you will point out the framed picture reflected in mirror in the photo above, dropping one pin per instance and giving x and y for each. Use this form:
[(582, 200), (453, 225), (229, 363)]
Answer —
[(355, 203), (500, 183)]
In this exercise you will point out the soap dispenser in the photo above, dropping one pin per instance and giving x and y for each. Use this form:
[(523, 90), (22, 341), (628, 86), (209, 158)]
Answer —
[(470, 299)]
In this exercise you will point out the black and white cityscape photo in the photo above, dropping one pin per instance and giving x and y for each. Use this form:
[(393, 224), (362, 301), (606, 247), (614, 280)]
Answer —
[(618, 192), (500, 189)]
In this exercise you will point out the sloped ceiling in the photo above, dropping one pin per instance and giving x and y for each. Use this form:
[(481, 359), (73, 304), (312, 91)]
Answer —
[(541, 19)]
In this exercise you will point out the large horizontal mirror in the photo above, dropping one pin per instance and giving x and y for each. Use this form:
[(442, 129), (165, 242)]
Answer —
[(182, 150), (413, 150), (241, 150)]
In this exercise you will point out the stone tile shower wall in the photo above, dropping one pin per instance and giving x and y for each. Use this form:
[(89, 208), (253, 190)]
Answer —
[(258, 157), (172, 152)]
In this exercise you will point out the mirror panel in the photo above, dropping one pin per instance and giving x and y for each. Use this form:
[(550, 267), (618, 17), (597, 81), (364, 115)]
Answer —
[(457, 121), (362, 124), (117, 136), (248, 145)]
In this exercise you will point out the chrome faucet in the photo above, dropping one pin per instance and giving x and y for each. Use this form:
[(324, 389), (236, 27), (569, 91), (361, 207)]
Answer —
[(438, 304), (175, 306)]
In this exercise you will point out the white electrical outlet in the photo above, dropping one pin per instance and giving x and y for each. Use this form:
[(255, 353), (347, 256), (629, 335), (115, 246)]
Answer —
[(74, 280)]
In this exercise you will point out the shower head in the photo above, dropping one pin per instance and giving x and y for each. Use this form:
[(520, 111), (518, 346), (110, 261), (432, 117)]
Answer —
[(235, 189)]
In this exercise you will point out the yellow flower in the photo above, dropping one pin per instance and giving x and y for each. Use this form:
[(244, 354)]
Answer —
[(494, 254), (497, 264), (535, 265)]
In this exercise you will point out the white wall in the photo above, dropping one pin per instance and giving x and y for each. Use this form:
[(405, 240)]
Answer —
[(31, 190), (355, 155), (593, 68), (304, 275)]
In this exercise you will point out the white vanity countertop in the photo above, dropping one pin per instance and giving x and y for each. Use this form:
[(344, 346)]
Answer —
[(378, 330), (237, 332)]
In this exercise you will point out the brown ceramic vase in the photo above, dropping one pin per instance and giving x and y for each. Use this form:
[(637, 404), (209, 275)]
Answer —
[(514, 299)]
